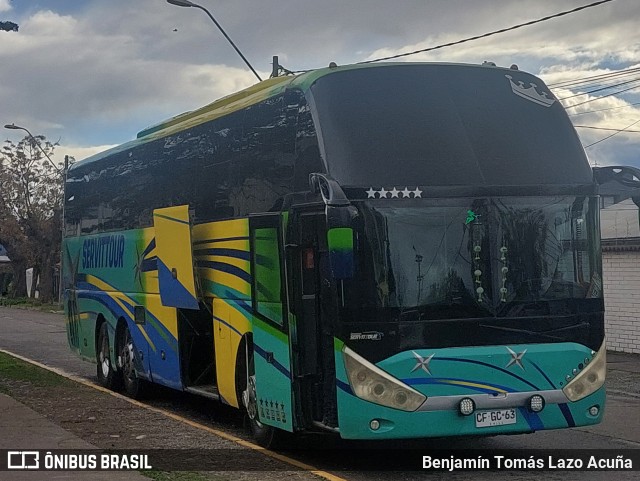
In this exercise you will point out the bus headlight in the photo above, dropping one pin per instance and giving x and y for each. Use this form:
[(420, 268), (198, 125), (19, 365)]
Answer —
[(371, 383), (590, 379)]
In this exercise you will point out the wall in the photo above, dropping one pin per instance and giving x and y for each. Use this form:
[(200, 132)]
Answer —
[(621, 271)]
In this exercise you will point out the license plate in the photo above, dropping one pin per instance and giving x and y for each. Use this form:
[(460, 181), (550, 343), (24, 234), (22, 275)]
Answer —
[(498, 417)]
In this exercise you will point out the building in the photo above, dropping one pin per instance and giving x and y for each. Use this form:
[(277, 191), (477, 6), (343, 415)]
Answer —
[(620, 231)]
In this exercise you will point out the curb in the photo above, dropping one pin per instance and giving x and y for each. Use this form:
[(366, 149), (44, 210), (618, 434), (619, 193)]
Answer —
[(176, 417)]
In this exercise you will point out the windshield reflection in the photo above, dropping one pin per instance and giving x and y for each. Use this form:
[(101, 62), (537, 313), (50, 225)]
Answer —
[(473, 258)]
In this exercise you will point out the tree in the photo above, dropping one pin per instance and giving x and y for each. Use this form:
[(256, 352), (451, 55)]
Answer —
[(30, 208), (9, 26)]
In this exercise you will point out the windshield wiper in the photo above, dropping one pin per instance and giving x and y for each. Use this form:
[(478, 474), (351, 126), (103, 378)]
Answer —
[(529, 332)]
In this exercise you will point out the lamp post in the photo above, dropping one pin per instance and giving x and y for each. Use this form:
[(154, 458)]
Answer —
[(63, 174), (187, 3)]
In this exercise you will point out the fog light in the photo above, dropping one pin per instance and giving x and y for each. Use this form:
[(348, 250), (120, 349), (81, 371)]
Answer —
[(536, 403), (594, 410), (467, 406), (374, 424)]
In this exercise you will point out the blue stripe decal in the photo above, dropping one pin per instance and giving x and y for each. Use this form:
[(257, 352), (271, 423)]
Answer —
[(228, 325), (157, 326), (344, 386), (532, 419), (149, 248), (224, 239), (149, 265), (566, 412), (444, 381), (543, 373), (274, 363), (172, 219), (235, 253), (228, 268), (473, 361)]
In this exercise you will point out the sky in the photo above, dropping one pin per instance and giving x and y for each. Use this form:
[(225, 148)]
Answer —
[(91, 74)]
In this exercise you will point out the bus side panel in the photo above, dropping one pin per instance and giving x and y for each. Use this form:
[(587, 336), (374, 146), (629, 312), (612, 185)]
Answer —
[(160, 333), (109, 275), (273, 375), (221, 250)]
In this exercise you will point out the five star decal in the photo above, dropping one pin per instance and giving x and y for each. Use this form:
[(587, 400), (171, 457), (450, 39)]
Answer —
[(393, 193)]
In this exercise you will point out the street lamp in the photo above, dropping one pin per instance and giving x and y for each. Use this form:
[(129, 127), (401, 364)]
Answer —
[(187, 3), (36, 141)]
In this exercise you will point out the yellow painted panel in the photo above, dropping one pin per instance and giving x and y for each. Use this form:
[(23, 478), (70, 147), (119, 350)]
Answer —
[(166, 315), (227, 280), (175, 261), (228, 327), (224, 229), (225, 362)]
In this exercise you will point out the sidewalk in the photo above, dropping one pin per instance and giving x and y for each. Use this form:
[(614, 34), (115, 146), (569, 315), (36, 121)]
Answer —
[(24, 429), (623, 361)]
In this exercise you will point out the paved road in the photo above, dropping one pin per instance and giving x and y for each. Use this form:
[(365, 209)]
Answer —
[(42, 337)]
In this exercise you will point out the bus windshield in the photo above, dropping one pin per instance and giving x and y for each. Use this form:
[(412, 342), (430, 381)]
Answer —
[(444, 125), (474, 258)]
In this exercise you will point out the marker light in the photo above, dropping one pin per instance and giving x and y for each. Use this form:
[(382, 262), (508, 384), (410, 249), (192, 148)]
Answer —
[(594, 410), (536, 403), (467, 406), (371, 383), (374, 424), (590, 379)]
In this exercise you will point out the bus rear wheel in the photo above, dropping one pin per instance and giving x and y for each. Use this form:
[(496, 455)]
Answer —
[(133, 385), (105, 371)]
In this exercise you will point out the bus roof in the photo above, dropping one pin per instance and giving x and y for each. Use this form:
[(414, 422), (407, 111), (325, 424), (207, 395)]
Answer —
[(243, 99)]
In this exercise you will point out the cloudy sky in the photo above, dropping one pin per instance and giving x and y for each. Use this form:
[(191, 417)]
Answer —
[(92, 73)]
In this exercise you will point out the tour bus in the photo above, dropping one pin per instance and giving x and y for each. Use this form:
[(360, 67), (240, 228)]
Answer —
[(386, 251)]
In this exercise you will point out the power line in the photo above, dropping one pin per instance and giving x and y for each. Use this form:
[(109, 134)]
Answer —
[(615, 133), (604, 128), (602, 110), (601, 97), (593, 79), (489, 34), (606, 87)]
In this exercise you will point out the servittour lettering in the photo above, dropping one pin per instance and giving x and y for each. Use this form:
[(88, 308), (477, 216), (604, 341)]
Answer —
[(106, 251)]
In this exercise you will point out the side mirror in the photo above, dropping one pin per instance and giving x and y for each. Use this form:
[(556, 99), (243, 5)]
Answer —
[(341, 258)]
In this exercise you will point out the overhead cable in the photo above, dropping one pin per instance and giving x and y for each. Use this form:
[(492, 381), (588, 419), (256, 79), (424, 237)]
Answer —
[(489, 34)]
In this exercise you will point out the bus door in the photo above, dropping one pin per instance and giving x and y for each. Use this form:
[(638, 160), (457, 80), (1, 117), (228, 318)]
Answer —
[(177, 286), (313, 301), (271, 346)]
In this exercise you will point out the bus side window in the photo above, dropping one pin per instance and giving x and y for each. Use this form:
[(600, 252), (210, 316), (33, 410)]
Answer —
[(267, 283)]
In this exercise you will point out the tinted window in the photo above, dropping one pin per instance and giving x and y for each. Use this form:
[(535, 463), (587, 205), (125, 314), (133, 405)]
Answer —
[(438, 124)]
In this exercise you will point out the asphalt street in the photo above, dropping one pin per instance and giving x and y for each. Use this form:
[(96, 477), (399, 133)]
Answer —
[(42, 337)]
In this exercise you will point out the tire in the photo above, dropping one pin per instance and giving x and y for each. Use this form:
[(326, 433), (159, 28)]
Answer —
[(133, 385), (265, 436), (105, 371)]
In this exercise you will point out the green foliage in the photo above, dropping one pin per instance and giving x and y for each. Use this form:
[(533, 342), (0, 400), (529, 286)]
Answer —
[(9, 26)]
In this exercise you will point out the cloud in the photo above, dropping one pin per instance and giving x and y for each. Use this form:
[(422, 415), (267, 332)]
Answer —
[(97, 72), (5, 5)]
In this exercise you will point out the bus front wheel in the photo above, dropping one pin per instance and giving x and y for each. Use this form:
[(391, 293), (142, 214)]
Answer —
[(265, 436)]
